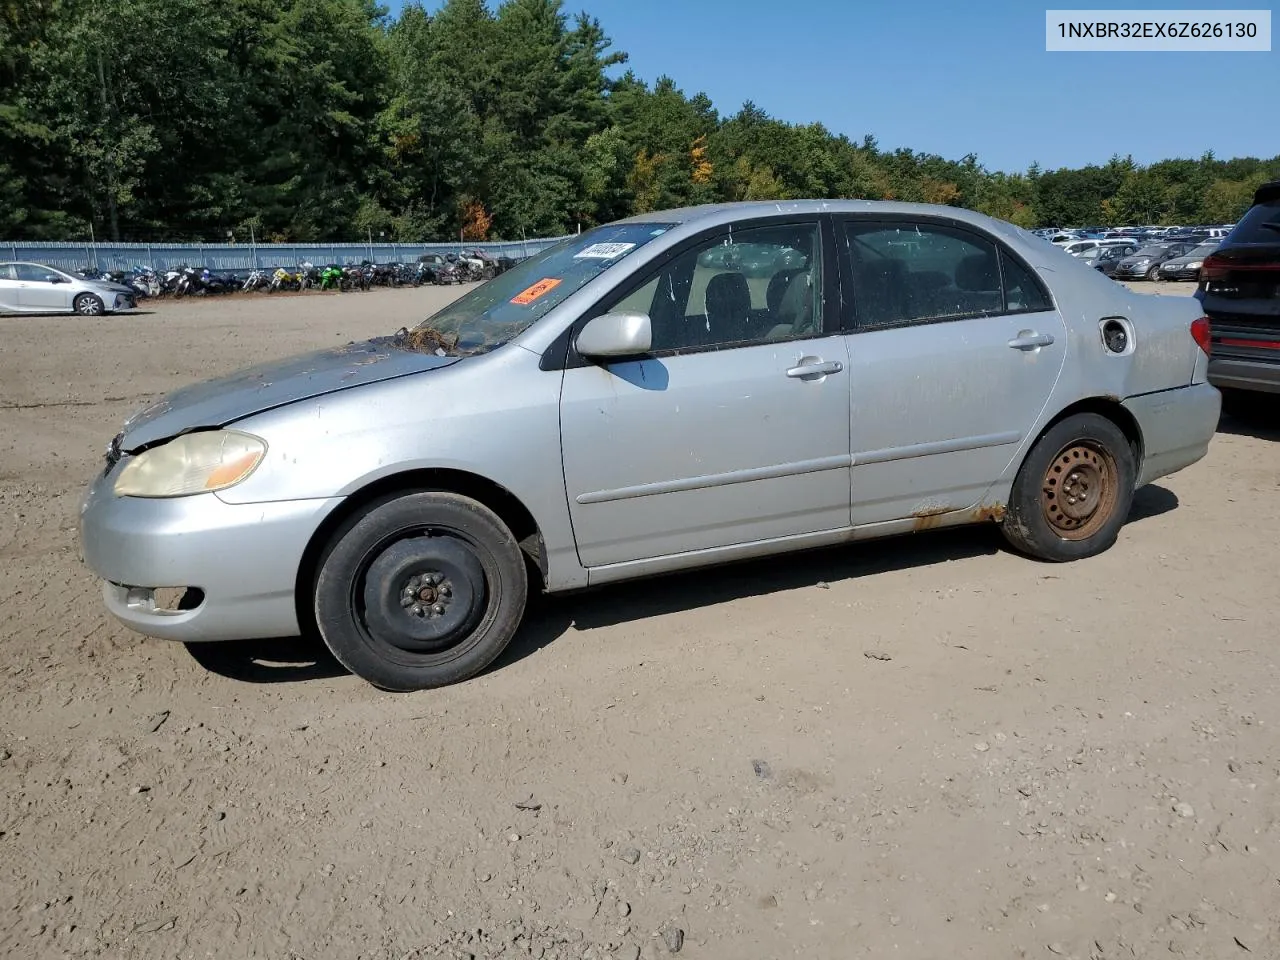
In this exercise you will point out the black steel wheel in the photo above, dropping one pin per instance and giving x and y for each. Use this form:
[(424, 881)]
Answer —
[(420, 590), (1073, 492)]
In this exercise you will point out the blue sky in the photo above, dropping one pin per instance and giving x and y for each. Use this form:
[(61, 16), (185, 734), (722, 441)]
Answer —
[(954, 77)]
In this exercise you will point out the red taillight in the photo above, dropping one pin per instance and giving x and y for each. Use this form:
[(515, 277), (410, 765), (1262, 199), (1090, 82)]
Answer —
[(1200, 333), (1213, 268), (1217, 267)]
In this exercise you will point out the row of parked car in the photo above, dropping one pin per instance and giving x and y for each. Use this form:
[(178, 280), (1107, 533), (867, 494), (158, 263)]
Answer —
[(1134, 257), (40, 288)]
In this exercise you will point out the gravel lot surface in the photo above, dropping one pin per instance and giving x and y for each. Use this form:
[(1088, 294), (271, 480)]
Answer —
[(1038, 761)]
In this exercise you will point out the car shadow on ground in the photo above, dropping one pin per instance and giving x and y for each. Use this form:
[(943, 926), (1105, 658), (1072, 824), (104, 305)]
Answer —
[(288, 660), (549, 618), (1264, 424)]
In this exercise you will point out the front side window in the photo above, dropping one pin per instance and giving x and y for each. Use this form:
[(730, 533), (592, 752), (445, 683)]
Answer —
[(743, 286), (31, 273), (504, 307)]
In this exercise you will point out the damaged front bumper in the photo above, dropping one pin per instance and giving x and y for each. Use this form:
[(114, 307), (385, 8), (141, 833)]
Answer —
[(198, 568)]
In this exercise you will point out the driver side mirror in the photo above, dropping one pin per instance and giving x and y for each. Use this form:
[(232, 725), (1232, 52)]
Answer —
[(616, 335), (53, 278)]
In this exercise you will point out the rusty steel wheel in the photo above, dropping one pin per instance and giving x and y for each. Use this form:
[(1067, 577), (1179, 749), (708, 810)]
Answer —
[(1073, 491), (1079, 490)]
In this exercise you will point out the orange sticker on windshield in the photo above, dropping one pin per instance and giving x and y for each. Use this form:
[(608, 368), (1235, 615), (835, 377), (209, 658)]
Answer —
[(540, 288)]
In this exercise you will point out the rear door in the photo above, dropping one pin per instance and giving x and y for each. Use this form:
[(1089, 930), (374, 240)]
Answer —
[(9, 289), (954, 349)]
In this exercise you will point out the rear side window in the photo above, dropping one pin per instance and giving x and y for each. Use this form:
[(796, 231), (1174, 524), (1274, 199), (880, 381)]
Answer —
[(1023, 293), (907, 273), (1261, 224)]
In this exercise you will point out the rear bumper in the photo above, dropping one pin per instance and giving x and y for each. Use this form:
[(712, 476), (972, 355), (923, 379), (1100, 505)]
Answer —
[(1176, 426), (1258, 375)]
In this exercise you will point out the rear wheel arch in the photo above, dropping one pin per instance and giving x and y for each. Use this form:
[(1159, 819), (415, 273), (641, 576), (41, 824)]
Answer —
[(1107, 407), (499, 499)]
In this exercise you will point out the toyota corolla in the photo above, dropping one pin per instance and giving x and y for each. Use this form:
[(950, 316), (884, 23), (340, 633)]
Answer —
[(633, 401)]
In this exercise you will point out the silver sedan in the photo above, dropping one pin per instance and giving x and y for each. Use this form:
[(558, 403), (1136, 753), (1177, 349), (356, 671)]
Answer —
[(635, 401), (37, 288)]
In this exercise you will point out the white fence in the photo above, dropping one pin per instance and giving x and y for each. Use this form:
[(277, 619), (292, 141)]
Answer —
[(242, 257)]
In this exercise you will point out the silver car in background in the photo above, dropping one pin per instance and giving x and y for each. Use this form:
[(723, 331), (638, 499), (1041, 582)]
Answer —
[(676, 390), (37, 288)]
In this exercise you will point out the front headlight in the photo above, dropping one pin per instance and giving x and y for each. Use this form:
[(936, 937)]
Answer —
[(192, 463), (1194, 265)]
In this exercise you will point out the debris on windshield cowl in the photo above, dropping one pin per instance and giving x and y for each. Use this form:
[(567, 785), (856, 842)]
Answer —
[(426, 340)]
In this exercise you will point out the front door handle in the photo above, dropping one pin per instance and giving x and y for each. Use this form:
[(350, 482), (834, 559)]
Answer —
[(1028, 340), (817, 369)]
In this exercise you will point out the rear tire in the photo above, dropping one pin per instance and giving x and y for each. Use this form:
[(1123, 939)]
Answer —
[(420, 590), (1073, 492)]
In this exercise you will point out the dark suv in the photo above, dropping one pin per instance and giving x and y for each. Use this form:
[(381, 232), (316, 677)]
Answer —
[(1240, 292)]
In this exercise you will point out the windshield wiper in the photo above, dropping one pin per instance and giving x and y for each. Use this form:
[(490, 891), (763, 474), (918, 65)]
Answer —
[(427, 340)]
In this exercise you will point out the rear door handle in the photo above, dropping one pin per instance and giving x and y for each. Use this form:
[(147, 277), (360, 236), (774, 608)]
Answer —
[(1029, 340), (806, 370)]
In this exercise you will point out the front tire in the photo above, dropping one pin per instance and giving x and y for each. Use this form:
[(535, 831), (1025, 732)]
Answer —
[(1073, 492), (421, 590), (1154, 273), (89, 305)]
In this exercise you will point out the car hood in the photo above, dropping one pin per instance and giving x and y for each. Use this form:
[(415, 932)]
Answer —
[(108, 286), (217, 402), (1181, 261)]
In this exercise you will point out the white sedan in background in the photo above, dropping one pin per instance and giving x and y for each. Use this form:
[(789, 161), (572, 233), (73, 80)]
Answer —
[(37, 288)]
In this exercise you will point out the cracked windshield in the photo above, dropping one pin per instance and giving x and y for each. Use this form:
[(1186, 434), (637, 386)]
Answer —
[(496, 311)]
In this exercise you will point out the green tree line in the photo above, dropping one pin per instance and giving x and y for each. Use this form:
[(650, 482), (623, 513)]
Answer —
[(329, 119)]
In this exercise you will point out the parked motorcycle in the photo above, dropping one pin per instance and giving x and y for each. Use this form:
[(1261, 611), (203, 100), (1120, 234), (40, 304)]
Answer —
[(331, 278), (282, 279), (257, 280), (308, 274)]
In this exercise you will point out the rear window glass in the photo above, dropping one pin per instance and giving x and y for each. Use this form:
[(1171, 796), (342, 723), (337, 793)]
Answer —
[(1260, 225)]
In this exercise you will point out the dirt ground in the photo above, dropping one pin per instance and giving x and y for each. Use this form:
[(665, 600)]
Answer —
[(1039, 761)]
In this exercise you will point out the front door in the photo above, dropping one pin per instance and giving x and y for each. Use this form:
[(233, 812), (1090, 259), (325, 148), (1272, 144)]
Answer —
[(36, 293), (954, 350), (735, 428)]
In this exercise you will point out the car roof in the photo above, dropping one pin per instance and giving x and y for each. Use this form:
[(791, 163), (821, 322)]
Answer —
[(713, 214)]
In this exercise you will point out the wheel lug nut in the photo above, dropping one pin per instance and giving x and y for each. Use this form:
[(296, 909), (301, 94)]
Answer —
[(438, 608), (446, 591)]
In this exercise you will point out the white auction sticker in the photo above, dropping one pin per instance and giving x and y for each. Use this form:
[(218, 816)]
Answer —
[(604, 251)]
